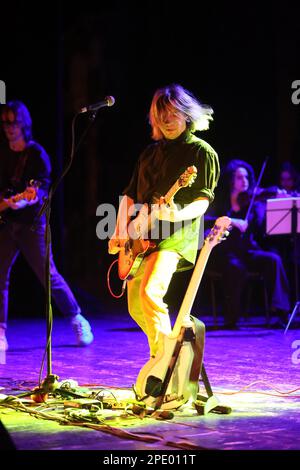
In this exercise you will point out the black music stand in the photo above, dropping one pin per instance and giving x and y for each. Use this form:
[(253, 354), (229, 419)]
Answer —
[(283, 217)]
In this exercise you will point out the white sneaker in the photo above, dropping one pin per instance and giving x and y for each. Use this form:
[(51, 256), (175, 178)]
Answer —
[(3, 340), (83, 330)]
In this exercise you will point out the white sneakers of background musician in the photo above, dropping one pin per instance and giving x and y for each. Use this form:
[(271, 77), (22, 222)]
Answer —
[(83, 330), (3, 340)]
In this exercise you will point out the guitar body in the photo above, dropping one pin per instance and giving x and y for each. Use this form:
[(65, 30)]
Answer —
[(130, 257), (179, 359)]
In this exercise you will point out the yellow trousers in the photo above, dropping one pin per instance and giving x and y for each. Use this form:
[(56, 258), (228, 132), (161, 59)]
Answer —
[(146, 292)]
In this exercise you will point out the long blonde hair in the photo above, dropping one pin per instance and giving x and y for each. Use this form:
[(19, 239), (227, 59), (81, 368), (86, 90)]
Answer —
[(174, 96)]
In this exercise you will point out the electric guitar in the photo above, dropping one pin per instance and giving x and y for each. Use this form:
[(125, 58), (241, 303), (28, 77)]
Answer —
[(29, 194), (134, 248), (171, 378)]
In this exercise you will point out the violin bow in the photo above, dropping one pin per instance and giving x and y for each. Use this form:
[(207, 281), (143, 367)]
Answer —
[(256, 187)]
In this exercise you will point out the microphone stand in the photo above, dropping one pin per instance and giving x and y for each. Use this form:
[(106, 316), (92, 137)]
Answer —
[(50, 383)]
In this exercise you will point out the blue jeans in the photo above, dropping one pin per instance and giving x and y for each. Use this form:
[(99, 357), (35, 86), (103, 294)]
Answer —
[(16, 238)]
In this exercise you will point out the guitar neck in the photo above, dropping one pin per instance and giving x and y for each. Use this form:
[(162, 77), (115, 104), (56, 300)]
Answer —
[(192, 289)]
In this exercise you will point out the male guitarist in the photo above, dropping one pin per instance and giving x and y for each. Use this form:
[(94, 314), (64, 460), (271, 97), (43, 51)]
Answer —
[(23, 159), (175, 114)]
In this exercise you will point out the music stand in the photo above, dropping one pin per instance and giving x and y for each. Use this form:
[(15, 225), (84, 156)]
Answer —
[(283, 217)]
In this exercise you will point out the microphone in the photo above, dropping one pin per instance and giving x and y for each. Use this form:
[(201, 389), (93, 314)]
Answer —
[(108, 101)]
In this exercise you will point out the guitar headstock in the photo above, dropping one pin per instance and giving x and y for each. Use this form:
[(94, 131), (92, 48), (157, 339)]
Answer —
[(219, 232), (188, 177)]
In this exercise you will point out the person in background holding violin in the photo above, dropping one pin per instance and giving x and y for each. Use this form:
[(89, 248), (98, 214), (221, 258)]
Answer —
[(21, 160), (242, 251)]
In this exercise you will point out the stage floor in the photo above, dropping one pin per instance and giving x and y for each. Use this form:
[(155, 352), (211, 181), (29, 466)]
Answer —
[(255, 371)]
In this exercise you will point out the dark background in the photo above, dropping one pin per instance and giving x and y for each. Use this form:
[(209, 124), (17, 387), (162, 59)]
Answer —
[(240, 59)]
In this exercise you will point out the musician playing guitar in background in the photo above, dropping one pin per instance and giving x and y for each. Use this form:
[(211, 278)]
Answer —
[(21, 160), (175, 115)]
